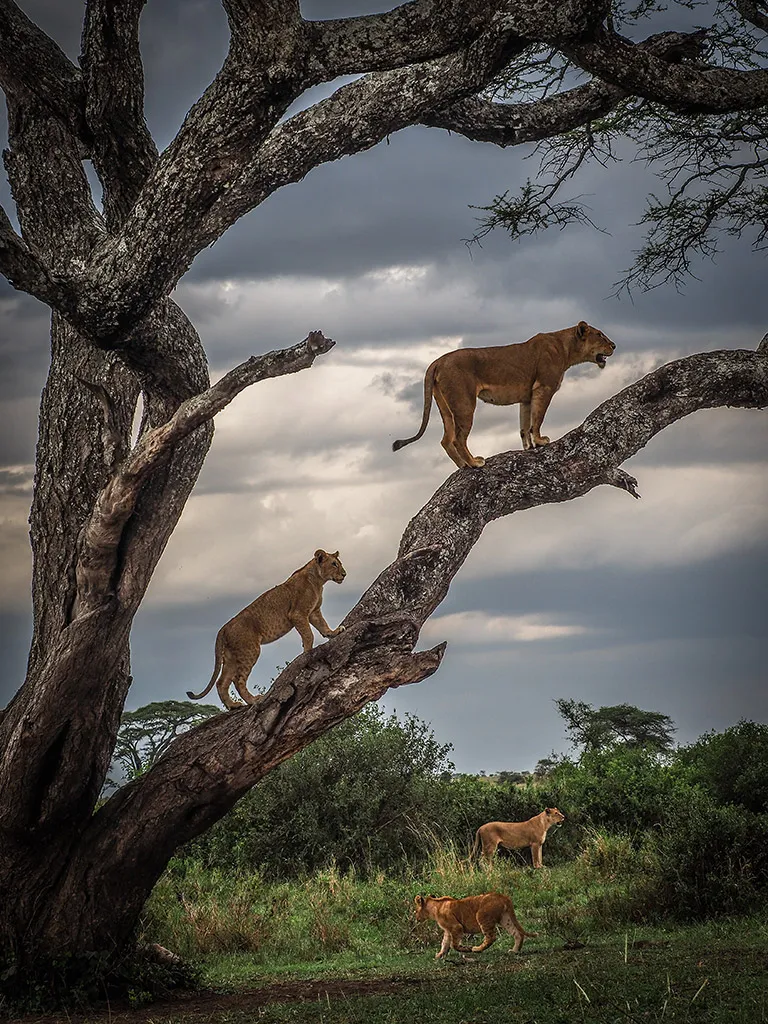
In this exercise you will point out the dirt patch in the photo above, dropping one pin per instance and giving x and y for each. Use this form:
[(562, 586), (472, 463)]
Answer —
[(207, 1004)]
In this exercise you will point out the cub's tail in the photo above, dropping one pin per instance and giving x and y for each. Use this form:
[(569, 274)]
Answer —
[(214, 677), (429, 385), (475, 847)]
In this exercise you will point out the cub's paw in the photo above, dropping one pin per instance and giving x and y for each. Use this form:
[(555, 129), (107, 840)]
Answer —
[(539, 442)]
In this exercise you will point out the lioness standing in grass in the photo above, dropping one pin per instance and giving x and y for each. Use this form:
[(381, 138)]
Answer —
[(529, 373), (473, 914), (515, 835), (294, 604)]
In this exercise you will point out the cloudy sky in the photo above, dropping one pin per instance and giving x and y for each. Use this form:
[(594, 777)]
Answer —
[(658, 602)]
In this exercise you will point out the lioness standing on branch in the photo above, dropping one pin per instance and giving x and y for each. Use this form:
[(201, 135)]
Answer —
[(516, 835), (294, 604), (473, 914), (529, 373)]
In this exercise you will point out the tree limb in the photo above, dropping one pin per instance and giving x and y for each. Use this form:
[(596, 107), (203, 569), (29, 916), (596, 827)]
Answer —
[(31, 61), (124, 152), (683, 87), (102, 534), (25, 269), (510, 124)]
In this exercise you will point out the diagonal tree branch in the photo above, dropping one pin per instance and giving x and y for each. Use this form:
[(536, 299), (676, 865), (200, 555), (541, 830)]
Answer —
[(25, 270), (102, 535), (208, 768)]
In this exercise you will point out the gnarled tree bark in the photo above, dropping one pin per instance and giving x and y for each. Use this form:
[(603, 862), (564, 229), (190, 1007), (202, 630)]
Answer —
[(72, 880)]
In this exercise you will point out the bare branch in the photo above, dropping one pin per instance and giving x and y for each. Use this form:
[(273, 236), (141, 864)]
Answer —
[(509, 124), (755, 12), (123, 150), (102, 534), (32, 62), (411, 33), (681, 86), (25, 270)]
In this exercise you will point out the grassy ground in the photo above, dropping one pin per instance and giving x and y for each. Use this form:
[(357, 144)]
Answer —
[(350, 949)]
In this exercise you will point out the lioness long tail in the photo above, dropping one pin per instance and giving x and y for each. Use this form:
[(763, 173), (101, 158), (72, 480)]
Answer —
[(429, 384), (476, 845), (214, 677)]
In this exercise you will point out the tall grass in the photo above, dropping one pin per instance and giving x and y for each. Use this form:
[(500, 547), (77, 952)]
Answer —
[(197, 911)]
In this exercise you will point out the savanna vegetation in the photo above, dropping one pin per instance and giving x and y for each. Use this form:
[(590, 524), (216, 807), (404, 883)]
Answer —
[(653, 903)]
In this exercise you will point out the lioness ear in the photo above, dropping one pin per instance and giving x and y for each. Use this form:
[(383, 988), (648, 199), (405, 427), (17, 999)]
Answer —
[(319, 556), (418, 900), (581, 328), (335, 554)]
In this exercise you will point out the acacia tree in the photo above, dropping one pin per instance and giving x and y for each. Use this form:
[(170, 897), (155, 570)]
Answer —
[(72, 880)]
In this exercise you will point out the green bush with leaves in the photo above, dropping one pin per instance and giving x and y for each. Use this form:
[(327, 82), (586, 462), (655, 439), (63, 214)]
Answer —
[(365, 795), (731, 766)]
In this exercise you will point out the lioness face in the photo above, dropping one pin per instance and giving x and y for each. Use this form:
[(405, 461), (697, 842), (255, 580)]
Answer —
[(595, 345), (553, 815), (330, 565)]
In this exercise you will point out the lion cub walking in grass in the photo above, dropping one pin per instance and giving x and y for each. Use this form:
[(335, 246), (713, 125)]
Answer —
[(294, 604), (516, 835), (473, 914), (529, 373)]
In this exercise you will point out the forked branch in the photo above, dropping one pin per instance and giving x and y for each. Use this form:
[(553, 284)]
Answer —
[(100, 539)]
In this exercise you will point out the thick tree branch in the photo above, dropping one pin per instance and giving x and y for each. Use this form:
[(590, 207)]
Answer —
[(207, 768), (32, 62), (510, 124), (755, 12), (683, 87), (102, 534), (411, 33), (25, 270), (124, 152)]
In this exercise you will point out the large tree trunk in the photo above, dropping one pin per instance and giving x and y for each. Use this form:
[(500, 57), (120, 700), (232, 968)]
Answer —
[(71, 880)]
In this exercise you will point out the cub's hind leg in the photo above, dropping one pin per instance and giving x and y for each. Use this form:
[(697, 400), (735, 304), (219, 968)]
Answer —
[(488, 928)]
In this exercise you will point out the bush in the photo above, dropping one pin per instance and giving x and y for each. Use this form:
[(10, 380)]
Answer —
[(712, 859), (731, 766)]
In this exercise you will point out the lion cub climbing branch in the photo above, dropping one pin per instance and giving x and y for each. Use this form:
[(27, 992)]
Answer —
[(294, 604), (529, 373)]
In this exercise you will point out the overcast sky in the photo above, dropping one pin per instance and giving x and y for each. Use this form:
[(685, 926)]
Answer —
[(658, 602)]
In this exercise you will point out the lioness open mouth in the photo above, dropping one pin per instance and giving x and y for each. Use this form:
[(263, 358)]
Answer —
[(600, 360)]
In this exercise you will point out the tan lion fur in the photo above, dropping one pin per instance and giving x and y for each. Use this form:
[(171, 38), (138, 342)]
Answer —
[(468, 916), (515, 835), (294, 604), (529, 373)]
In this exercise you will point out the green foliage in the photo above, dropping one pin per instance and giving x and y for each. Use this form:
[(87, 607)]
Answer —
[(712, 859), (731, 766), (145, 734), (363, 795), (594, 729), (622, 788)]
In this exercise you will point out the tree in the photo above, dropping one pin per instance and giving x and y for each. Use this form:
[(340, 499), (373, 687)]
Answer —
[(73, 881), (146, 733), (595, 729)]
